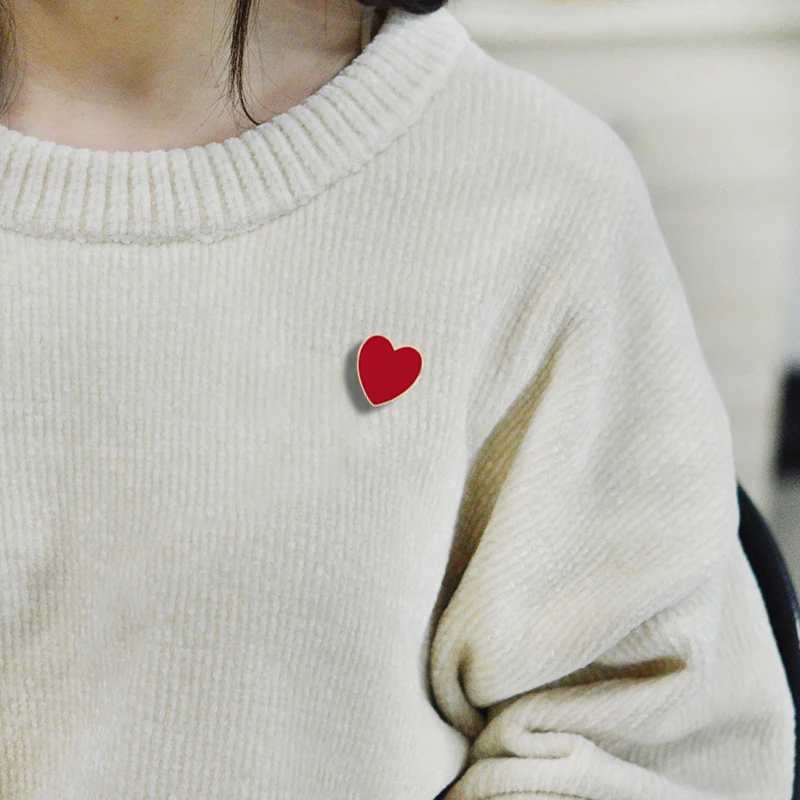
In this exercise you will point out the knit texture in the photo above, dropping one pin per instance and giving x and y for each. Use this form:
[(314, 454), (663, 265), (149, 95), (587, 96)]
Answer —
[(226, 575)]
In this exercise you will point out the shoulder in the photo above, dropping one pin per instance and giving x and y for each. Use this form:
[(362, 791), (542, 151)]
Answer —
[(519, 137)]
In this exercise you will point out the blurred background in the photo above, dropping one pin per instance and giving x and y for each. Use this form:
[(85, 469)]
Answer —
[(706, 95)]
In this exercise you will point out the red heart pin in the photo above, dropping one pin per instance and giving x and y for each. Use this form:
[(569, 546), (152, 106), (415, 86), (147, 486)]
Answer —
[(386, 373)]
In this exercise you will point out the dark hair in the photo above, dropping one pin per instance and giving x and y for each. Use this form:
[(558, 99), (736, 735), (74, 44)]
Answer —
[(241, 18)]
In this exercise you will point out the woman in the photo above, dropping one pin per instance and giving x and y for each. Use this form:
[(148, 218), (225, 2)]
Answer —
[(356, 444)]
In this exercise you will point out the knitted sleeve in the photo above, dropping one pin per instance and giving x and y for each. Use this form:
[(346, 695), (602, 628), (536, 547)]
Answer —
[(605, 638)]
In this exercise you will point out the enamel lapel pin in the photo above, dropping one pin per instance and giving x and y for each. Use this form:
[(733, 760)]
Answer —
[(386, 373)]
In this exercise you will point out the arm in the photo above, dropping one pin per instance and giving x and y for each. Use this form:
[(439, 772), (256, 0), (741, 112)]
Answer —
[(607, 639)]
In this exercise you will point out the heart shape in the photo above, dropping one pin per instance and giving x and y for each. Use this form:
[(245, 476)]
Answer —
[(386, 373)]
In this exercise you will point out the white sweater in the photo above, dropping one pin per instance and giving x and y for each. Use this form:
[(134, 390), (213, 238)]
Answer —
[(225, 574)]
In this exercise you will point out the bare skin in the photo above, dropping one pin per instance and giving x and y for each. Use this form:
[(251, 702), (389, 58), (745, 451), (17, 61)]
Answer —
[(152, 74)]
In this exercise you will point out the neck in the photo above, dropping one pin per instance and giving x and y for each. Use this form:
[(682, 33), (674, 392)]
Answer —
[(148, 74)]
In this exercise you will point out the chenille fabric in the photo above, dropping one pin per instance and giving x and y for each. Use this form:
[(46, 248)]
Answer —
[(226, 574)]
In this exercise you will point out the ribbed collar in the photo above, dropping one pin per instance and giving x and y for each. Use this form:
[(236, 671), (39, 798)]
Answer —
[(210, 192)]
